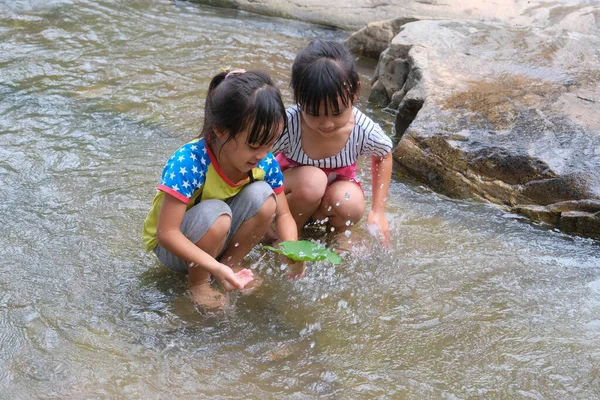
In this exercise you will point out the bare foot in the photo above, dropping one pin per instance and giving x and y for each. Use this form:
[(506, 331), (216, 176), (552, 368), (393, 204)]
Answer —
[(207, 297)]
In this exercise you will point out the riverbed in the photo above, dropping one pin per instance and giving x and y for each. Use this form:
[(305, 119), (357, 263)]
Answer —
[(468, 302)]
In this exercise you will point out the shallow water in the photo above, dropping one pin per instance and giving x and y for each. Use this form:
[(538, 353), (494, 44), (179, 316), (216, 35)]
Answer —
[(469, 302)]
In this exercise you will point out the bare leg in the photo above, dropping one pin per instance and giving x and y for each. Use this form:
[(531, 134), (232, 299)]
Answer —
[(304, 188), (199, 279), (249, 233), (343, 206)]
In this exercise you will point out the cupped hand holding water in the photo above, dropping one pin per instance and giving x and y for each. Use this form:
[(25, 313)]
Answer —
[(233, 280)]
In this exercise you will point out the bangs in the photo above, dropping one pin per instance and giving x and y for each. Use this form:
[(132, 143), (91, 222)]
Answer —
[(267, 120), (324, 82)]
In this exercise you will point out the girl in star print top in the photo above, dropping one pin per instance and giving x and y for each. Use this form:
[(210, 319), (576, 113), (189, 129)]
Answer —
[(218, 194)]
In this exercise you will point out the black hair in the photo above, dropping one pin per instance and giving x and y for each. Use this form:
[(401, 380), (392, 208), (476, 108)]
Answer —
[(243, 100), (323, 72)]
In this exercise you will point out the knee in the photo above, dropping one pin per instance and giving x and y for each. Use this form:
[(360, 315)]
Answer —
[(268, 209), (348, 205), (311, 188), (257, 192), (352, 212), (220, 228)]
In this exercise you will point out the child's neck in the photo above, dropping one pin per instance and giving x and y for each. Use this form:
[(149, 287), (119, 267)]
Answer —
[(228, 169), (234, 174), (318, 147)]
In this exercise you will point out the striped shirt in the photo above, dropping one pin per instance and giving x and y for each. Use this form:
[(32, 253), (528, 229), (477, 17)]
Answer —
[(367, 137)]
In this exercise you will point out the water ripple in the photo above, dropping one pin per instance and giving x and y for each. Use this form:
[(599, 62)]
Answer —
[(94, 97)]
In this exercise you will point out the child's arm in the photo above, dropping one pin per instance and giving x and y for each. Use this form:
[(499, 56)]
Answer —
[(170, 237), (381, 171), (287, 230)]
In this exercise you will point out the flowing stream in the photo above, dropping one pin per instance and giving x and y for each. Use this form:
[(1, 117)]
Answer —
[(469, 302)]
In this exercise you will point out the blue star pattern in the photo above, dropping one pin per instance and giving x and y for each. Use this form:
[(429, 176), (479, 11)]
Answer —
[(273, 174), (185, 172), (192, 174)]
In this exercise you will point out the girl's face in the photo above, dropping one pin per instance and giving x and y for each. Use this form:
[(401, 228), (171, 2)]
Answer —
[(243, 156), (328, 125)]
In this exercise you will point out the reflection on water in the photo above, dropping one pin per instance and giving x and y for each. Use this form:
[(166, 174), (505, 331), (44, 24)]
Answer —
[(95, 95)]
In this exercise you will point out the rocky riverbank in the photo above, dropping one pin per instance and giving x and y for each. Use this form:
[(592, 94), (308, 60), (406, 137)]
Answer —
[(506, 113), (498, 102)]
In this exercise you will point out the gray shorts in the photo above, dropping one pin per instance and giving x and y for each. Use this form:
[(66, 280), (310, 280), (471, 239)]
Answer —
[(198, 219)]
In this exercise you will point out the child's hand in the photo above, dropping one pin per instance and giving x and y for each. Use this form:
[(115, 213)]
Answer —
[(380, 222), (233, 280), (296, 269)]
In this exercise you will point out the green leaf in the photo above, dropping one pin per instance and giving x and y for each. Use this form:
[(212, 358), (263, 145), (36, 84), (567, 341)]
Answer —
[(305, 250)]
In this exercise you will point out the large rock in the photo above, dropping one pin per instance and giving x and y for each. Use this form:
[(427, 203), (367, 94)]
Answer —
[(503, 113), (373, 39), (355, 14)]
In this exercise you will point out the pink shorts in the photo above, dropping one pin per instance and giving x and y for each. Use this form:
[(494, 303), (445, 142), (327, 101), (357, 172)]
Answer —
[(347, 173)]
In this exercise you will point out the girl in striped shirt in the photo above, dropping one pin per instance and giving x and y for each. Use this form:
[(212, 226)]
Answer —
[(323, 140)]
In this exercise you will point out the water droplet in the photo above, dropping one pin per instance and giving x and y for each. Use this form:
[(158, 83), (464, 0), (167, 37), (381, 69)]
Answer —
[(347, 196), (236, 245), (329, 208), (332, 229), (347, 233), (348, 223), (337, 204), (373, 229), (381, 186)]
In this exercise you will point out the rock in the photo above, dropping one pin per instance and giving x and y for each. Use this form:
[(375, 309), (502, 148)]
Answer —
[(580, 217), (580, 222), (538, 213), (589, 206), (502, 113), (575, 186), (372, 40), (352, 15), (386, 82), (379, 95)]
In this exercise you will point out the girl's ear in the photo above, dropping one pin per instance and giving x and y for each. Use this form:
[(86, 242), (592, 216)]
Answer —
[(357, 93), (220, 134)]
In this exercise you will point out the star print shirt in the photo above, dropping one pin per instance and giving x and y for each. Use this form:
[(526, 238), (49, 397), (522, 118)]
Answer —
[(192, 174)]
